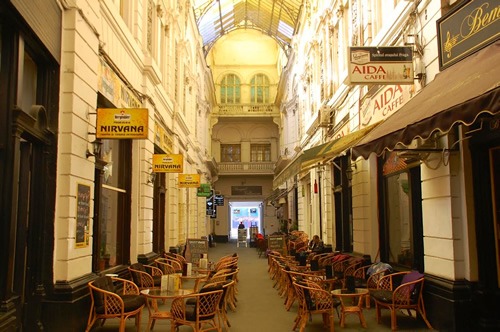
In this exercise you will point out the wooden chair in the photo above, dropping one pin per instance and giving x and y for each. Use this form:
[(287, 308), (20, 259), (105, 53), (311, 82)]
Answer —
[(113, 297), (314, 300), (168, 258), (401, 290), (199, 311), (166, 266), (364, 279), (143, 278)]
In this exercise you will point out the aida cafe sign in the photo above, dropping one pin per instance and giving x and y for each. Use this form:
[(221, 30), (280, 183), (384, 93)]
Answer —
[(125, 123), (189, 180), (381, 65), (168, 163)]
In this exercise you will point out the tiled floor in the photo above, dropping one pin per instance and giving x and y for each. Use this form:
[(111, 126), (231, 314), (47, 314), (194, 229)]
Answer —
[(260, 309)]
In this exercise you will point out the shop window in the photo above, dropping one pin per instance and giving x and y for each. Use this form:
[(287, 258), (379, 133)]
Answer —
[(230, 90), (401, 221), (113, 227), (230, 153), (259, 91), (260, 152)]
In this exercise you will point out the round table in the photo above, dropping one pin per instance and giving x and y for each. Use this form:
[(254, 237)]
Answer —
[(153, 295), (196, 276), (351, 303)]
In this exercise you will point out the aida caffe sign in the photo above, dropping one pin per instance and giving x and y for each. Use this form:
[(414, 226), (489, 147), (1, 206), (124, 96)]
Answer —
[(381, 65)]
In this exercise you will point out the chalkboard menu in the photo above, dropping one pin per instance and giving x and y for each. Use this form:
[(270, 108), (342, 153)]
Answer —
[(276, 243), (82, 215), (195, 248)]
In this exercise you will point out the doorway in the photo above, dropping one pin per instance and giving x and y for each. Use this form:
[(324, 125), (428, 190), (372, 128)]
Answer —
[(249, 213)]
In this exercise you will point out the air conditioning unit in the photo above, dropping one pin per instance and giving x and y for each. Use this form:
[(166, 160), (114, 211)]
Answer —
[(326, 116)]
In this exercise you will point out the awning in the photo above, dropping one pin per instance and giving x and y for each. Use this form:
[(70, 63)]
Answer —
[(324, 152), (290, 170), (320, 154), (459, 94)]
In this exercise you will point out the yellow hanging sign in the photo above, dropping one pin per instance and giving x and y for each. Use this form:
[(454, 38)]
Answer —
[(168, 163), (189, 180)]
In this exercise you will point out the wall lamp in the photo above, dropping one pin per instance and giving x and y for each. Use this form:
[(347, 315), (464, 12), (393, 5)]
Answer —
[(349, 171), (96, 149), (151, 177)]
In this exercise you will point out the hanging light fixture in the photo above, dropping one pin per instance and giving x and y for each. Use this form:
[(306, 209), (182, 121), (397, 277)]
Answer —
[(315, 186)]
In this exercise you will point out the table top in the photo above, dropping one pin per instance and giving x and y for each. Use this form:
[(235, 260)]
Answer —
[(194, 275), (345, 292), (165, 294)]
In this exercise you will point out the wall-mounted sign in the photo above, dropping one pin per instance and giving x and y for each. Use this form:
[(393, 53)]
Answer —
[(189, 180), (381, 65), (163, 139), (168, 163), (466, 29), (204, 190), (383, 103), (246, 190), (122, 123), (210, 204), (219, 200), (82, 215), (114, 89)]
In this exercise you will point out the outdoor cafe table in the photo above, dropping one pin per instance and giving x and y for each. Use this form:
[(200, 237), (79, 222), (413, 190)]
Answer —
[(196, 276), (153, 295), (351, 303)]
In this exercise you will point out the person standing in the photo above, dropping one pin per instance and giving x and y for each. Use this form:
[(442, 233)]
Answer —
[(241, 225)]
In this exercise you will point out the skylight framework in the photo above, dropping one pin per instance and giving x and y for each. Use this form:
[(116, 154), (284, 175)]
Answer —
[(277, 19)]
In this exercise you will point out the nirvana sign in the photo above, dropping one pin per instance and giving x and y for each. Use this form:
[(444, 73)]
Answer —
[(467, 29)]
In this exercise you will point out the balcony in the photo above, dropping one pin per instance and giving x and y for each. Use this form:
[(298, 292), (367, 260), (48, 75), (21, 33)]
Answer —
[(232, 110), (253, 168)]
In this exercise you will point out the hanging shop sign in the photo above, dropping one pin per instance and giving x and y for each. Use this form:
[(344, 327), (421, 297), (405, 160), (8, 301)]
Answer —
[(122, 123), (381, 65), (168, 163), (204, 190), (82, 215), (189, 180), (383, 103), (467, 29)]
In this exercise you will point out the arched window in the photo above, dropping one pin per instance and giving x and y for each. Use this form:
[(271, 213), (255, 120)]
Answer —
[(259, 89), (230, 89)]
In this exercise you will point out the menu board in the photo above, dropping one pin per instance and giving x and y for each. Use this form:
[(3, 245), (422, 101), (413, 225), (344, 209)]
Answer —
[(194, 249), (82, 215), (276, 243)]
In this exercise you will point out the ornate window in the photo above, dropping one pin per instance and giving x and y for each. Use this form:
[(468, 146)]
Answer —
[(259, 91), (230, 89)]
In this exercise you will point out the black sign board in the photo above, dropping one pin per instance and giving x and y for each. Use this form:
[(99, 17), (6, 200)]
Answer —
[(219, 200), (210, 204), (194, 249), (466, 29), (82, 214), (276, 243)]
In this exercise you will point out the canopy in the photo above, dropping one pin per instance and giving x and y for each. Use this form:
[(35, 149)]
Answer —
[(320, 154), (459, 94)]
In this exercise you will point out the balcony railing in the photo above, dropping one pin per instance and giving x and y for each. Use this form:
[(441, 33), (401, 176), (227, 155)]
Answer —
[(262, 168), (246, 109)]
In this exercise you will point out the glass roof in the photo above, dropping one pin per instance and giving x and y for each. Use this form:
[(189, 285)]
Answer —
[(276, 18)]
